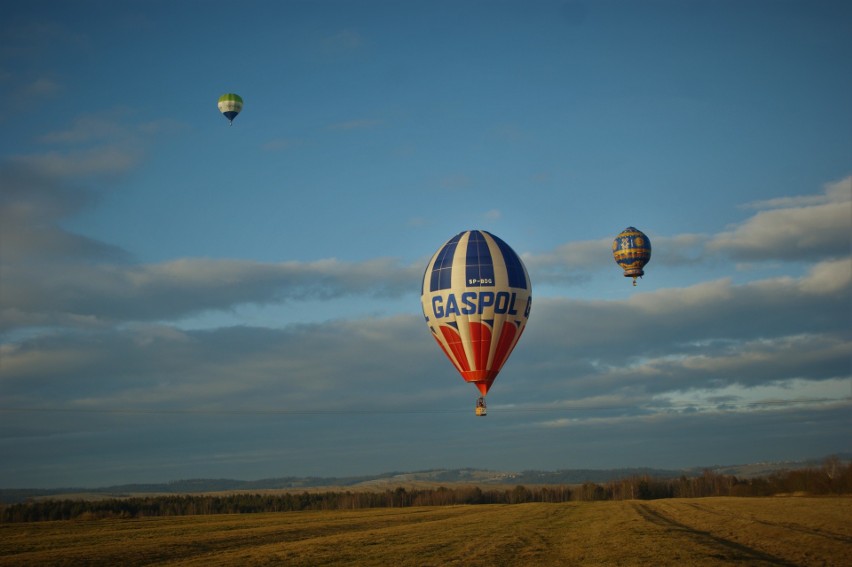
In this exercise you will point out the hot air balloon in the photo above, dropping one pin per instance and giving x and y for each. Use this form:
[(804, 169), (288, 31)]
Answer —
[(476, 298), (632, 250), (230, 105)]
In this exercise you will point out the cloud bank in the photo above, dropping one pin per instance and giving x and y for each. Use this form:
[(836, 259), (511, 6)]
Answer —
[(90, 333)]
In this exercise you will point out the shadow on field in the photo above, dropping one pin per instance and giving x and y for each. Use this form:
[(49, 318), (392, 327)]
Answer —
[(733, 551), (806, 530)]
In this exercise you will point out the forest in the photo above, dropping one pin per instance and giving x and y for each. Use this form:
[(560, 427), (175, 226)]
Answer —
[(833, 478)]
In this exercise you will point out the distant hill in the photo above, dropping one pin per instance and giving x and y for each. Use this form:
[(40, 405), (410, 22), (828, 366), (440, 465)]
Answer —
[(419, 479)]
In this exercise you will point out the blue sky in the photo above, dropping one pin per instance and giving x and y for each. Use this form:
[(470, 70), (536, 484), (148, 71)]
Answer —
[(180, 298)]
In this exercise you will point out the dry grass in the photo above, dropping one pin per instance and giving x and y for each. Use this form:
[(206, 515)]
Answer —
[(709, 531)]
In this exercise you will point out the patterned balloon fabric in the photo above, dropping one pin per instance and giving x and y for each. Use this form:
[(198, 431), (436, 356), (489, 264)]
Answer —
[(476, 299), (632, 250)]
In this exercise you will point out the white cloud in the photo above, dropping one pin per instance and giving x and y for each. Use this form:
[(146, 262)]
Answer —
[(177, 289), (805, 228), (87, 128), (52, 276), (706, 335), (794, 229), (32, 206), (639, 365), (574, 262), (835, 192), (82, 163), (568, 262), (95, 144)]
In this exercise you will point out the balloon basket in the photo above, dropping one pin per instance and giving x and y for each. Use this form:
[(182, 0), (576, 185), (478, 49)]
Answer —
[(480, 407)]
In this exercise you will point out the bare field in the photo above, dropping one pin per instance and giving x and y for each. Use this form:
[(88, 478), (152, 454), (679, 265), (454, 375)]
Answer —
[(705, 531)]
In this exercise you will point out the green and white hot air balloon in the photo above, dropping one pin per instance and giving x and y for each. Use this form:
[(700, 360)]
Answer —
[(230, 105)]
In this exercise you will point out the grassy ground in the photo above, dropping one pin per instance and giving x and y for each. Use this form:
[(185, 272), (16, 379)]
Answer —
[(707, 531)]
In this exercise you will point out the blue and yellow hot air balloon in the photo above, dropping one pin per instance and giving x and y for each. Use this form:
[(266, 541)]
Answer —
[(632, 250), (476, 297), (230, 105)]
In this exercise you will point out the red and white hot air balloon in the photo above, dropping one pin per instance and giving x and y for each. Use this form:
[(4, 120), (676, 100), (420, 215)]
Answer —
[(476, 298)]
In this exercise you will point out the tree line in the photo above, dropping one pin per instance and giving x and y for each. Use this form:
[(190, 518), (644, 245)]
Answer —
[(833, 478)]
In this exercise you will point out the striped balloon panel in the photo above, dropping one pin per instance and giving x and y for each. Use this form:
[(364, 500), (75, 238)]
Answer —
[(230, 105), (231, 98), (476, 297)]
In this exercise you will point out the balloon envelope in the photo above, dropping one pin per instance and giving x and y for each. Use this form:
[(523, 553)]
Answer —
[(230, 105), (632, 250), (476, 298)]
